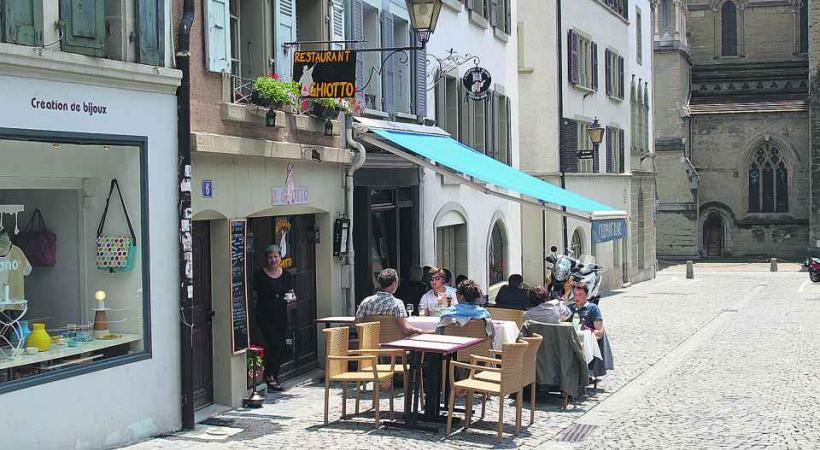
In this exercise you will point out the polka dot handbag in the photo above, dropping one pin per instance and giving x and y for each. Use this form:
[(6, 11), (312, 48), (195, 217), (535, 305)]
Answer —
[(115, 253)]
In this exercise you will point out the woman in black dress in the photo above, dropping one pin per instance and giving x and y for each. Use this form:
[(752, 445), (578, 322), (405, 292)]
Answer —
[(271, 282)]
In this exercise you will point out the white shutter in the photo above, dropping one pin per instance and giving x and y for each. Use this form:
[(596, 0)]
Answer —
[(218, 35), (337, 17), (285, 18)]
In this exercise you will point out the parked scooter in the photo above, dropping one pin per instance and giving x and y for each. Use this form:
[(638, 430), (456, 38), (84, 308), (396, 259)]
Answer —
[(813, 264), (559, 279), (589, 273)]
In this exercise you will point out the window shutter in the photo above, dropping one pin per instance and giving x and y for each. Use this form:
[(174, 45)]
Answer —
[(493, 14), (337, 18), (83, 23), (508, 129), (465, 127), (150, 38), (471, 4), (572, 57), (23, 22), (507, 16), (357, 34), (421, 81), (491, 126), (621, 160), (388, 69), (569, 146), (218, 36), (608, 71), (285, 31), (620, 77), (441, 101), (594, 48), (609, 153)]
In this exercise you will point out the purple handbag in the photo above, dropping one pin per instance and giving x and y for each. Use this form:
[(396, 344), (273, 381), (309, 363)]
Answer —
[(38, 244)]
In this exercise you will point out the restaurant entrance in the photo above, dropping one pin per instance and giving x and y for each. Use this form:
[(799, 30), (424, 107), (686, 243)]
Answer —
[(296, 236)]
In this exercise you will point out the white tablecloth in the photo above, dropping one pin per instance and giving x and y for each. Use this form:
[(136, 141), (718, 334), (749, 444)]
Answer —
[(506, 331), (590, 345)]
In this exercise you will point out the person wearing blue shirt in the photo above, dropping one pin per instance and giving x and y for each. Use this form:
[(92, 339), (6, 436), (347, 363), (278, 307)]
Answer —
[(589, 313), (468, 293)]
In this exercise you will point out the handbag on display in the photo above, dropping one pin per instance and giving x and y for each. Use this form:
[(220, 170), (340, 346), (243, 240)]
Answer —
[(115, 253), (37, 243)]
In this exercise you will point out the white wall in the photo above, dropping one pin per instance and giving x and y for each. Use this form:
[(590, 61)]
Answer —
[(455, 30), (642, 71), (134, 401)]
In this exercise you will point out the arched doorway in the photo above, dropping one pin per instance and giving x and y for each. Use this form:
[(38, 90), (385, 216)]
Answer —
[(713, 240)]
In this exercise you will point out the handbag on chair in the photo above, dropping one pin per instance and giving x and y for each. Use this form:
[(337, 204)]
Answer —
[(115, 253), (37, 243)]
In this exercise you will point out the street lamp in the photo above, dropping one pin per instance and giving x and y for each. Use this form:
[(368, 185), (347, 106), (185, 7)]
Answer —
[(595, 133), (423, 17)]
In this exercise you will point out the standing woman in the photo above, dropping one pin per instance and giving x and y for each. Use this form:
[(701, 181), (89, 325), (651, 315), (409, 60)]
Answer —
[(271, 282)]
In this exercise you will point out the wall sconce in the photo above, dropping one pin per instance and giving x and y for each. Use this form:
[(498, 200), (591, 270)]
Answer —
[(270, 118), (328, 128)]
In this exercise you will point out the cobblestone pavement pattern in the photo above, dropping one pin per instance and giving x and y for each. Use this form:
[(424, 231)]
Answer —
[(725, 360)]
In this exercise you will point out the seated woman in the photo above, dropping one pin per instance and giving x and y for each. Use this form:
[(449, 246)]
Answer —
[(544, 310), (440, 295), (468, 294)]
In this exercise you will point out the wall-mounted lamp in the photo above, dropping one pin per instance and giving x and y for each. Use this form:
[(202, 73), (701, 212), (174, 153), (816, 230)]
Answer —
[(328, 128), (270, 118)]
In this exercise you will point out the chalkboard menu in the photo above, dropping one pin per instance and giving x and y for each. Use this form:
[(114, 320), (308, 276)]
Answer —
[(239, 286)]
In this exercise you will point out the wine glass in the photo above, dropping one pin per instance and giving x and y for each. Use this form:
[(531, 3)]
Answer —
[(409, 308)]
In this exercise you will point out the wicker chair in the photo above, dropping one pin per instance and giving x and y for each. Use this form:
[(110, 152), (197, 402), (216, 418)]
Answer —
[(336, 369), (369, 340), (515, 315), (473, 328), (510, 367), (528, 377)]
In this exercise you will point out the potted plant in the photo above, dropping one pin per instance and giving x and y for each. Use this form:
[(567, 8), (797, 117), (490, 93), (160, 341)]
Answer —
[(274, 93), (329, 108), (256, 369)]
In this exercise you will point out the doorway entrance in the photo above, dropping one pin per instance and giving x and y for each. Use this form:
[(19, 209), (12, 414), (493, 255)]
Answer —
[(202, 316), (713, 235), (296, 237)]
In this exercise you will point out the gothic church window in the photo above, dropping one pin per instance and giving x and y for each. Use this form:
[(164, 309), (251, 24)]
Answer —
[(728, 29), (768, 181), (804, 26)]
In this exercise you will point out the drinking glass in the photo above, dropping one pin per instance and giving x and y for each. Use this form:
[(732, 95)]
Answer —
[(409, 308)]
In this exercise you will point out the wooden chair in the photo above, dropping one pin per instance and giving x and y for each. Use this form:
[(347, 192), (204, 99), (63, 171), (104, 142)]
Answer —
[(510, 367), (528, 377), (498, 313), (336, 369)]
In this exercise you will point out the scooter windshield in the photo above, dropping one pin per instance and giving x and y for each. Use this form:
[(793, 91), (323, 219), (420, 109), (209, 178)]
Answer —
[(562, 268)]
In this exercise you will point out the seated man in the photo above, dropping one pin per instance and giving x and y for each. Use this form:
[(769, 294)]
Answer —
[(468, 293), (384, 304), (588, 313), (512, 295), (544, 310)]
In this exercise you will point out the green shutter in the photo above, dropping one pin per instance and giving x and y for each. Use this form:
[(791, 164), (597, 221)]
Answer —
[(23, 22), (83, 22), (150, 38)]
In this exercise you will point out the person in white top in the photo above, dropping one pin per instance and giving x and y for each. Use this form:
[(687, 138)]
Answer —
[(441, 294)]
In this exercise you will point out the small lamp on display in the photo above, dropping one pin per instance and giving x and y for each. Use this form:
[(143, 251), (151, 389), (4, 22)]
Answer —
[(100, 316)]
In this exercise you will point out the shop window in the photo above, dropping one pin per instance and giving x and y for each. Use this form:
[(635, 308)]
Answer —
[(53, 276), (768, 181), (497, 254), (728, 29)]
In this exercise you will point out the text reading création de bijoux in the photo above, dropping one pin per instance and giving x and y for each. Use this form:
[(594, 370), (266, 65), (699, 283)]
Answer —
[(78, 107)]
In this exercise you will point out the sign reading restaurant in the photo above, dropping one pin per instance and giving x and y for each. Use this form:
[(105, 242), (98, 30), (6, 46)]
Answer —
[(325, 73)]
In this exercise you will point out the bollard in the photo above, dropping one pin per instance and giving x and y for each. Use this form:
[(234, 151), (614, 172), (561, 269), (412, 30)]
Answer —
[(773, 265), (690, 270)]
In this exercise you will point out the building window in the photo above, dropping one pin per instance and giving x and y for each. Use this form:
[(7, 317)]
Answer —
[(448, 106), (480, 7), (53, 279), (479, 141), (584, 143), (615, 150), (582, 61), (666, 15), (501, 128), (451, 245), (619, 6), (614, 75), (577, 245), (236, 48), (728, 29), (638, 36), (804, 26), (501, 15), (768, 181), (497, 254)]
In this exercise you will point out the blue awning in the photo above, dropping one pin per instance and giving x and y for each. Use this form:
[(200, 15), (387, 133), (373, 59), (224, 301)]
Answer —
[(443, 150)]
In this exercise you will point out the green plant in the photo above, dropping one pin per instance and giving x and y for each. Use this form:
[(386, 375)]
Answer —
[(252, 358), (337, 104), (273, 90)]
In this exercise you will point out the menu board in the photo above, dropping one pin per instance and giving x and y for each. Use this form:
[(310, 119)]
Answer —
[(239, 286)]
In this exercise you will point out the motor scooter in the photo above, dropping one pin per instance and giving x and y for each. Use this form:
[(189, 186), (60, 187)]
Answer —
[(813, 264), (559, 279), (589, 273)]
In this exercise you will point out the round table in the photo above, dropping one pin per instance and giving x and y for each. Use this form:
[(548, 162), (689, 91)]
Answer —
[(590, 345), (506, 331)]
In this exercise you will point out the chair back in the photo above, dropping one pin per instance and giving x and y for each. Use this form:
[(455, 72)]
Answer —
[(368, 340), (515, 315), (560, 358), (335, 345), (389, 329), (530, 357), (512, 367), (474, 328)]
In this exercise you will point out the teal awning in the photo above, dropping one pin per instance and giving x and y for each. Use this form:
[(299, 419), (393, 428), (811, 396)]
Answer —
[(442, 150)]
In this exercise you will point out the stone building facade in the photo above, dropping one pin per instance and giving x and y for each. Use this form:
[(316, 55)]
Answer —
[(732, 131)]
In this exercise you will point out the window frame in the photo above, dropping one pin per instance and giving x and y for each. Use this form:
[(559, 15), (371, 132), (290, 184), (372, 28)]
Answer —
[(638, 36), (724, 44), (140, 142), (584, 143), (773, 197), (586, 61), (497, 224)]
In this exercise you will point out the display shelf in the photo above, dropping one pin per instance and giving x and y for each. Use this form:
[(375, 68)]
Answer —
[(64, 351)]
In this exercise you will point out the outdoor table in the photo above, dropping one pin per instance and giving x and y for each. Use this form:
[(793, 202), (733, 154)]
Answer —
[(590, 345), (344, 320), (506, 331), (441, 347)]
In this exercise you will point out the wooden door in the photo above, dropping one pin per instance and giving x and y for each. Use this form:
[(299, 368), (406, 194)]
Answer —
[(202, 314), (713, 236)]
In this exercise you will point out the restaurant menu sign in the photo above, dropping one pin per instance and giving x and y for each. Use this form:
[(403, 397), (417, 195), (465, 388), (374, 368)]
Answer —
[(239, 286), (326, 73), (477, 81)]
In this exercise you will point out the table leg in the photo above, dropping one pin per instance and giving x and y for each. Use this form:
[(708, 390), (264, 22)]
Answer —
[(432, 388)]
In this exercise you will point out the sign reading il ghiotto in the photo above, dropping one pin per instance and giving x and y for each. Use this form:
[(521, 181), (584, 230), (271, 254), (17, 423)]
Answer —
[(325, 74), (82, 107)]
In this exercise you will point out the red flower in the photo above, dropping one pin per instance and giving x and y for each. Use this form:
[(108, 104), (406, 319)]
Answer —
[(275, 76)]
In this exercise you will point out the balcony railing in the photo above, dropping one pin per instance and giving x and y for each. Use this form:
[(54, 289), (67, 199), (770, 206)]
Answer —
[(241, 90)]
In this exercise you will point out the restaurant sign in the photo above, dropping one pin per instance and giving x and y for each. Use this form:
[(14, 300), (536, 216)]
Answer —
[(326, 73), (477, 81), (290, 194), (608, 230)]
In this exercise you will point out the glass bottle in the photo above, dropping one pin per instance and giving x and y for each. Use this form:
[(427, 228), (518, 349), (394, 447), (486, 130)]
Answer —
[(576, 321)]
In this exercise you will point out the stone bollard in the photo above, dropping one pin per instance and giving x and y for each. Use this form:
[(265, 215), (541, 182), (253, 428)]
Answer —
[(690, 270), (773, 265)]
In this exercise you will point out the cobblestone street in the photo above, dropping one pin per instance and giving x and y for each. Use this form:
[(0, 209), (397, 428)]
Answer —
[(725, 360)]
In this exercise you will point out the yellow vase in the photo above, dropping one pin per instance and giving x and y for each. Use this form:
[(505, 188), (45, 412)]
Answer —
[(39, 338)]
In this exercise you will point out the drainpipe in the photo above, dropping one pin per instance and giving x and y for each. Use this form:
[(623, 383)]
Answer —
[(560, 45), (183, 57), (358, 162)]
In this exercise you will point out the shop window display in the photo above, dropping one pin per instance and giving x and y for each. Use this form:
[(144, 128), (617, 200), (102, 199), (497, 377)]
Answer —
[(71, 294)]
